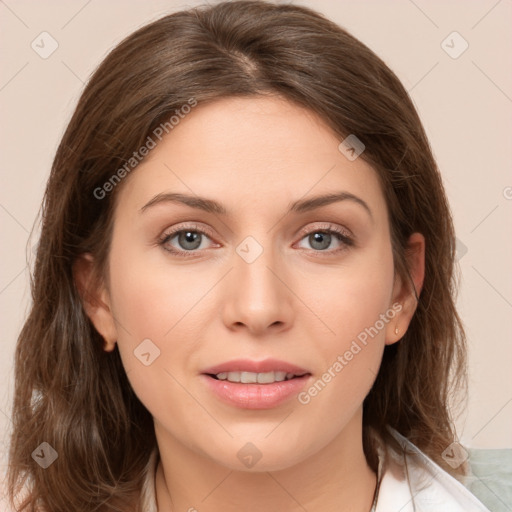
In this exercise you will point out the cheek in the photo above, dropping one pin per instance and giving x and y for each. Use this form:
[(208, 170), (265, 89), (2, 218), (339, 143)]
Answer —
[(354, 308), (150, 296), (349, 299), (151, 303)]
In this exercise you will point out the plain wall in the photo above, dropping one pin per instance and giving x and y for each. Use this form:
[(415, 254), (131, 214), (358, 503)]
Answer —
[(465, 104)]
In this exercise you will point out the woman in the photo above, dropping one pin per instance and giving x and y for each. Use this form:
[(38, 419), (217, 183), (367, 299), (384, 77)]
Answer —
[(243, 297)]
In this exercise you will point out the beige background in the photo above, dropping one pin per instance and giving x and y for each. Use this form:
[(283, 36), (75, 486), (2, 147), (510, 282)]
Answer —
[(465, 104)]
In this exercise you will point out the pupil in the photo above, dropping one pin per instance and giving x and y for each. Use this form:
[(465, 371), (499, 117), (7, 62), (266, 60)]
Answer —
[(190, 237), (321, 237)]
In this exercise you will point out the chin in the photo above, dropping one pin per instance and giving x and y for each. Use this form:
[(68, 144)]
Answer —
[(259, 457)]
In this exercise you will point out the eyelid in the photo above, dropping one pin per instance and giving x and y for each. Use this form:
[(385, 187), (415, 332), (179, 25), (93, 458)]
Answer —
[(171, 232), (326, 226)]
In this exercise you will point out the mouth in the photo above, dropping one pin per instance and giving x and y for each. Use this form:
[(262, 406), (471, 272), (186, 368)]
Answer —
[(255, 385), (256, 378)]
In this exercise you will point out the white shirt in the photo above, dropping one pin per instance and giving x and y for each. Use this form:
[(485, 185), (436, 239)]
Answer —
[(409, 482), (412, 482)]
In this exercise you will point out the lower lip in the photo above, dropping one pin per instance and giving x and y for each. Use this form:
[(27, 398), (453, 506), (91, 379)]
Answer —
[(255, 396)]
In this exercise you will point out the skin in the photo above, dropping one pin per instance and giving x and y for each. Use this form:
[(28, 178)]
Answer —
[(296, 302)]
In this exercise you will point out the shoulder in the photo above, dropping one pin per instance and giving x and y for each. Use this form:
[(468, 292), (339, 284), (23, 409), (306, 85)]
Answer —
[(412, 481)]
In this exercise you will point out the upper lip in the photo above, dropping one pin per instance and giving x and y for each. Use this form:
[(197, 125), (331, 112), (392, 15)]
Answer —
[(248, 365)]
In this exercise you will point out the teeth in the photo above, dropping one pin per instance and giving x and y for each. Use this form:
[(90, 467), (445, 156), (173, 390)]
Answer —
[(252, 378), (233, 376), (248, 377)]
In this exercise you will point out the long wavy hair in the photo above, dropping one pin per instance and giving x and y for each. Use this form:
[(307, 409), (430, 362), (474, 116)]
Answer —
[(75, 396)]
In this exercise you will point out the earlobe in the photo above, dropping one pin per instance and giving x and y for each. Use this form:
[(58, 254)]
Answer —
[(95, 300), (405, 292)]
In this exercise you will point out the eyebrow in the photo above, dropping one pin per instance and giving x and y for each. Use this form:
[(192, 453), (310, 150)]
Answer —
[(211, 206)]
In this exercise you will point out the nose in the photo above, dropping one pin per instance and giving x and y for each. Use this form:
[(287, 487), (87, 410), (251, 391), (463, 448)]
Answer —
[(258, 298)]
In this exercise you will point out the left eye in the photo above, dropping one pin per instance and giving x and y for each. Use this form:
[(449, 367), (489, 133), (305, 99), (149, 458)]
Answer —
[(321, 239), (190, 239)]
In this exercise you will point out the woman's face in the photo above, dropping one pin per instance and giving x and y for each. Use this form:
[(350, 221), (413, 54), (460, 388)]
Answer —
[(258, 285)]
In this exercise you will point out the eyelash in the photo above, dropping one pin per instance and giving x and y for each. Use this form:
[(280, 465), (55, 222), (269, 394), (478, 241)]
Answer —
[(340, 235)]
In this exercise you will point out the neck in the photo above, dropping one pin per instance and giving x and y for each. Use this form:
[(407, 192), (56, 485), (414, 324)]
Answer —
[(335, 478)]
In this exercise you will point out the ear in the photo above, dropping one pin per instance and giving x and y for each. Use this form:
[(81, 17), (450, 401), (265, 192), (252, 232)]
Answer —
[(403, 292), (95, 300)]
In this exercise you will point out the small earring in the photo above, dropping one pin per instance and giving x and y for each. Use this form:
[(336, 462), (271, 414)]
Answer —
[(396, 330)]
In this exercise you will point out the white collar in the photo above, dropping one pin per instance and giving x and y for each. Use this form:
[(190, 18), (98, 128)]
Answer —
[(412, 482), (409, 481)]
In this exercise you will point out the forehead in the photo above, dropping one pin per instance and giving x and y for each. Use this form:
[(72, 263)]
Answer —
[(252, 153)]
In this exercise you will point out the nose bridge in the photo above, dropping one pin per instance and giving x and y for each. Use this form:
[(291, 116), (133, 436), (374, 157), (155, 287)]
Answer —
[(253, 266), (258, 296)]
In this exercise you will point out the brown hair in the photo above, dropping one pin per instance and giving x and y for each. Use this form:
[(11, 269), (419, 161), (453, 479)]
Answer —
[(75, 396)]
